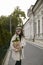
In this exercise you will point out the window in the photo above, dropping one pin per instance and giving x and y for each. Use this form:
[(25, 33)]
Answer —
[(42, 24), (42, 12), (38, 27)]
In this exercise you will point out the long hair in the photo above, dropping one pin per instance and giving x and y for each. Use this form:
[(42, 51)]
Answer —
[(21, 34)]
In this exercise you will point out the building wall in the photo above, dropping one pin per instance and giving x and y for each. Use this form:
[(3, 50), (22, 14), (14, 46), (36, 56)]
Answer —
[(27, 30), (31, 26), (34, 26), (38, 17)]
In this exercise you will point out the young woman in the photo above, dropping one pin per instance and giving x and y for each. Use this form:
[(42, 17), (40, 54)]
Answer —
[(18, 55)]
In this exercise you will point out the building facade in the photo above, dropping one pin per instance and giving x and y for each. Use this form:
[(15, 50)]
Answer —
[(33, 27), (27, 29)]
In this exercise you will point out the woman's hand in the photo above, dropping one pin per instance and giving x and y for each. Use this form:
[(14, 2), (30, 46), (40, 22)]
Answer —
[(18, 49)]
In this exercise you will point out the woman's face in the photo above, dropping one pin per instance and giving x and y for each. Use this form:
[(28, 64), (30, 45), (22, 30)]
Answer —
[(18, 31)]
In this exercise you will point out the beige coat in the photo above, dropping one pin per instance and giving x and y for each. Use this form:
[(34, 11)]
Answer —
[(16, 55)]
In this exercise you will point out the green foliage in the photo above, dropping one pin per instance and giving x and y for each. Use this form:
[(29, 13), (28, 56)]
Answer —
[(18, 13), (5, 37), (4, 34), (16, 18)]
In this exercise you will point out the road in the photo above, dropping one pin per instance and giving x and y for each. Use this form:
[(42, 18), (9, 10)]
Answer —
[(33, 56)]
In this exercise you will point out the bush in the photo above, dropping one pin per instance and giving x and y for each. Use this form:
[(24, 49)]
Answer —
[(4, 43)]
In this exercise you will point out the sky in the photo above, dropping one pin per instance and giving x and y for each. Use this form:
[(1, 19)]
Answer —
[(8, 6)]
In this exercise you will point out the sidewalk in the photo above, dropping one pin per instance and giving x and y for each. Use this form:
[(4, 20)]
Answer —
[(36, 43)]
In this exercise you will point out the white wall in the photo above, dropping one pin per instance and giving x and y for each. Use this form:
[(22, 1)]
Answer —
[(29, 25), (38, 16), (27, 30)]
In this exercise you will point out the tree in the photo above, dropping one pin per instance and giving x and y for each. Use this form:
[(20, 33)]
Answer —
[(17, 17)]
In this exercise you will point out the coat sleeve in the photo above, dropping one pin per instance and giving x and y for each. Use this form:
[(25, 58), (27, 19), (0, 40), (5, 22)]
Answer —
[(23, 42), (11, 43)]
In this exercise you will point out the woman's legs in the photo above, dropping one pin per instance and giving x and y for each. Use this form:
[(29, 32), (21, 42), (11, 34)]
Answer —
[(18, 62)]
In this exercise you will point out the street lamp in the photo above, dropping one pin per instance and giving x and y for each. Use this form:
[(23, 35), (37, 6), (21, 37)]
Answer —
[(11, 24)]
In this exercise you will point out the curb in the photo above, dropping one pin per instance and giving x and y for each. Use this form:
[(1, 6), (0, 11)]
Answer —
[(37, 44)]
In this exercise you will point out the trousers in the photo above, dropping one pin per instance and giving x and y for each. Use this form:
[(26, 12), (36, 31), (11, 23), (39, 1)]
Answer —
[(18, 62)]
